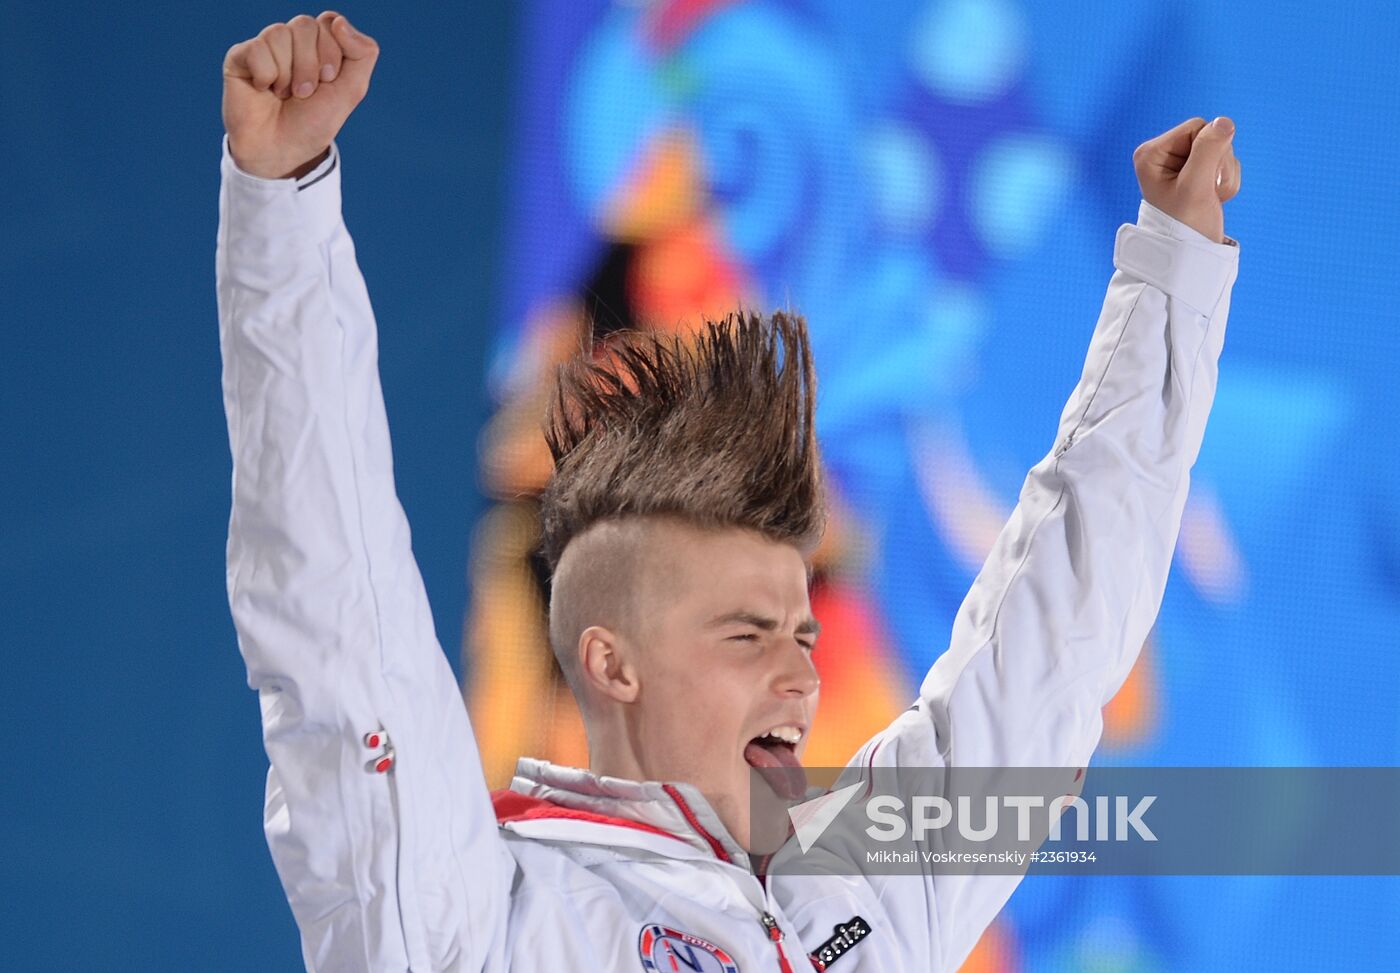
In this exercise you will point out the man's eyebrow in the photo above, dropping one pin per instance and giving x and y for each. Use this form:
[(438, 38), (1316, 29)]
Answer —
[(808, 626)]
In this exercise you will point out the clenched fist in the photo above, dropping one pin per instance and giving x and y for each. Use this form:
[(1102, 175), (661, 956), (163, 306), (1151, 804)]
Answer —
[(1190, 172), (288, 91)]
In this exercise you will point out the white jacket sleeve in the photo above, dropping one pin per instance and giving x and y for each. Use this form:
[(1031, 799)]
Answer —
[(1056, 617), (383, 871)]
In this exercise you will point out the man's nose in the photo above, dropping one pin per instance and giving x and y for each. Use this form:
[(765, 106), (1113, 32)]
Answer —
[(797, 676)]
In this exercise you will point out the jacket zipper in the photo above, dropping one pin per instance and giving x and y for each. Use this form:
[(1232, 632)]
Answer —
[(776, 935), (770, 923)]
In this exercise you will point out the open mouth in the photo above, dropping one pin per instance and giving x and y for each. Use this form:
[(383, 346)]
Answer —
[(774, 755)]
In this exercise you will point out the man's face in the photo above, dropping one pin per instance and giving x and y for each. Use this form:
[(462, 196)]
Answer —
[(726, 635)]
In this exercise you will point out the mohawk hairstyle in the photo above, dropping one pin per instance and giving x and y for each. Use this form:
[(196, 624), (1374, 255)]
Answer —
[(716, 430)]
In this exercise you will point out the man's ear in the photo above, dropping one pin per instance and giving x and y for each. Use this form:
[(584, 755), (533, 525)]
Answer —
[(606, 665)]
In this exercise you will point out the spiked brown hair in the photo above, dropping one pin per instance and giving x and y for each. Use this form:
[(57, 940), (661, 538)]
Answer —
[(716, 430)]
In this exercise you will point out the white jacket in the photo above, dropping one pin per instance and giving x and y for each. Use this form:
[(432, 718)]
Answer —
[(409, 869)]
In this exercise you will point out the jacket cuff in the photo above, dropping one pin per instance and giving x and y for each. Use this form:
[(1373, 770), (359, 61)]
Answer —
[(312, 201), (1176, 259), (1154, 219)]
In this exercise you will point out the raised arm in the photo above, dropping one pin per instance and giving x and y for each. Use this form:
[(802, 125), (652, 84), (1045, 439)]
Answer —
[(397, 868), (1061, 608), (1055, 619)]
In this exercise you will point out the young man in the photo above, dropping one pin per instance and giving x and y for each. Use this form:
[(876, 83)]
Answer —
[(685, 501)]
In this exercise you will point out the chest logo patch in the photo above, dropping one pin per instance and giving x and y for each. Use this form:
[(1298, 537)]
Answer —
[(666, 950), (844, 937)]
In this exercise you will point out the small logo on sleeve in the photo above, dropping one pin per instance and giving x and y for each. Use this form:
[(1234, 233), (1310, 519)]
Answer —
[(846, 935), (666, 950)]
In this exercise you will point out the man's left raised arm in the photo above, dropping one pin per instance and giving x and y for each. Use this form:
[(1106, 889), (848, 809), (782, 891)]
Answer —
[(1056, 618), (1059, 612)]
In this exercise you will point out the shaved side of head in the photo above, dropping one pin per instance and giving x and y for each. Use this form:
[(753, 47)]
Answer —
[(607, 576)]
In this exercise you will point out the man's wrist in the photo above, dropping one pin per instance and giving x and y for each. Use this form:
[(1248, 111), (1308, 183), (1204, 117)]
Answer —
[(276, 169), (306, 167), (1158, 220)]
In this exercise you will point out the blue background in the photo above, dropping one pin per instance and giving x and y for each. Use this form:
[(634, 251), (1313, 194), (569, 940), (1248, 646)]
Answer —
[(134, 773), (134, 781)]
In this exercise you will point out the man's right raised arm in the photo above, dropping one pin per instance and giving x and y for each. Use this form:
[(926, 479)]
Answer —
[(384, 870)]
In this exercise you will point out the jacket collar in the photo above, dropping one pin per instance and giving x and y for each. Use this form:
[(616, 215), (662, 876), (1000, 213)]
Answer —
[(551, 801)]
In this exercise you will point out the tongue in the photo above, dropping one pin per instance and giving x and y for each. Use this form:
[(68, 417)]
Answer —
[(779, 767)]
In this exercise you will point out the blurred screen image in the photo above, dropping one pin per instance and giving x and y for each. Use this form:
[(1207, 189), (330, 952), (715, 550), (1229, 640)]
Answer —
[(913, 178)]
